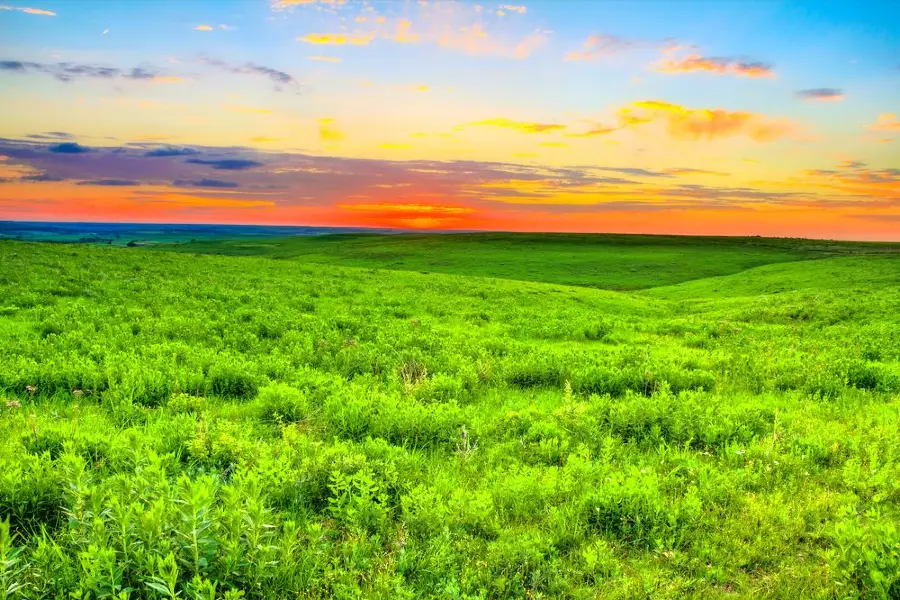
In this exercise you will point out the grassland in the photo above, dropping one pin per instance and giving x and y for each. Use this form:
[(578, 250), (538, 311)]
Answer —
[(615, 262), (178, 425)]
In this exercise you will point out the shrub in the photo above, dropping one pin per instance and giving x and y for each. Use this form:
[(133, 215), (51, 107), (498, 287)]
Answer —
[(281, 401), (230, 379)]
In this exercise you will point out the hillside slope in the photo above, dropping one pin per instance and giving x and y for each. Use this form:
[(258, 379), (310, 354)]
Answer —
[(288, 428)]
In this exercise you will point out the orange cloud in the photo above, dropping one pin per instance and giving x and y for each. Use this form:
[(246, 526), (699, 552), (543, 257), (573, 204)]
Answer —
[(695, 124), (718, 65), (522, 126), (29, 11), (447, 25), (203, 28), (166, 79), (886, 122), (332, 59), (336, 39)]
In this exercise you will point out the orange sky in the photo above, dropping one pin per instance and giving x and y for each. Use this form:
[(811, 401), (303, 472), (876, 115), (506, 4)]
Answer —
[(563, 116)]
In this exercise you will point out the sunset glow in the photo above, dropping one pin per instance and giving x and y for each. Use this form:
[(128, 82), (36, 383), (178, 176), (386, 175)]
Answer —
[(774, 118)]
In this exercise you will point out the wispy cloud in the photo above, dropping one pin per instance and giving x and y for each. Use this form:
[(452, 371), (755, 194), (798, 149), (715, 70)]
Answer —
[(29, 11), (593, 132), (521, 126), (170, 151), (331, 59), (460, 27), (686, 171), (203, 28), (109, 182), (821, 94), (227, 164), (887, 122), (66, 71), (280, 78), (598, 46), (718, 65), (703, 123), (206, 183)]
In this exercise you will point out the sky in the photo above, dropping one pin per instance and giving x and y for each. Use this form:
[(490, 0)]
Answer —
[(765, 117)]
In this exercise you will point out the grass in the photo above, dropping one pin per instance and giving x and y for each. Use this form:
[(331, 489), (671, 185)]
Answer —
[(616, 262), (185, 426)]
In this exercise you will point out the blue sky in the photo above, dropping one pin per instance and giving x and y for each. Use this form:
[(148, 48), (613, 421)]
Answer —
[(773, 96)]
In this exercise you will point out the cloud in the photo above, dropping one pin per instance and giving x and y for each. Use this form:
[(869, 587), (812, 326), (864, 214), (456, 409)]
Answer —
[(599, 130), (40, 178), (206, 183), (704, 124), (227, 164), (51, 135), (68, 148), (715, 64), (454, 26), (858, 182), (297, 186), (328, 132), (635, 172), (521, 126), (886, 122), (821, 94), (331, 59), (66, 71), (203, 28), (336, 39), (514, 8), (598, 46), (390, 146), (110, 182), (685, 171), (29, 11), (171, 151), (279, 77), (263, 139)]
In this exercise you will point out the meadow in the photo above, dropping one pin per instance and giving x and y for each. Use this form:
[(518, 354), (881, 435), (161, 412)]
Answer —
[(533, 417)]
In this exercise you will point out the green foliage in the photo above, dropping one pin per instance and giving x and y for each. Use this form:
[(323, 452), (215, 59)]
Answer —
[(202, 427)]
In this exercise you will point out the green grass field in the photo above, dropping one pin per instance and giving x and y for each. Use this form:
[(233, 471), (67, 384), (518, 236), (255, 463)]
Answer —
[(189, 425), (617, 262)]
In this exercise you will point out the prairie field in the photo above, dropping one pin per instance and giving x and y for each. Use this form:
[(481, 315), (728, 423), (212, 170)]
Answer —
[(470, 416)]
